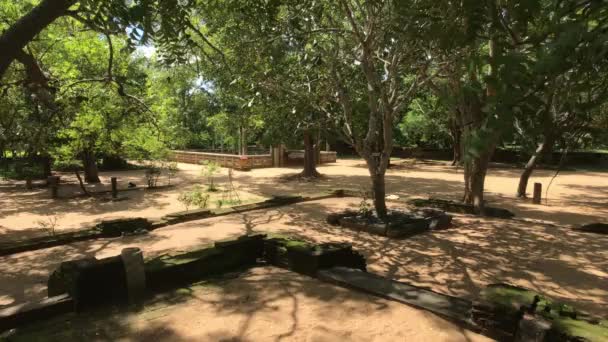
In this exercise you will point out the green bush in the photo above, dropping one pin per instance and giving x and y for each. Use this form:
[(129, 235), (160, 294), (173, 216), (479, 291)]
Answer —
[(194, 198)]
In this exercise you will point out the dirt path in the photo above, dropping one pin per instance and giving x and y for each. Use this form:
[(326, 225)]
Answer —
[(263, 304), (575, 197), (568, 265)]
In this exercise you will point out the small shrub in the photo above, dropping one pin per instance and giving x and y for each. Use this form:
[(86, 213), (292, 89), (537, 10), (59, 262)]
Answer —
[(194, 198), (49, 224), (152, 174), (210, 169), (170, 170), (365, 207)]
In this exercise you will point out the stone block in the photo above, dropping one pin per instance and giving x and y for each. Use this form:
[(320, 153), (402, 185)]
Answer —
[(135, 273), (116, 228)]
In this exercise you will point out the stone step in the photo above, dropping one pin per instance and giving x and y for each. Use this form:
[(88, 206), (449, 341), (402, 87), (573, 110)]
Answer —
[(447, 306)]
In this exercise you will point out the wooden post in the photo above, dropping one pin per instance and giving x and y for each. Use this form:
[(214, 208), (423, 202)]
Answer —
[(538, 189), (114, 187), (53, 182)]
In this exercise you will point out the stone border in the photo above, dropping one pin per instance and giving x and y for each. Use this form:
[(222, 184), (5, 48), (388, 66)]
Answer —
[(84, 284), (435, 220), (97, 232), (457, 207), (35, 311)]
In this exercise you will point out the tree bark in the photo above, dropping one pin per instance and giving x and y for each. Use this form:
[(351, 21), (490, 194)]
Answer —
[(475, 177), (47, 163), (91, 173), (379, 194), (310, 168), (80, 182), (243, 141), (544, 147), (27, 27), (456, 134)]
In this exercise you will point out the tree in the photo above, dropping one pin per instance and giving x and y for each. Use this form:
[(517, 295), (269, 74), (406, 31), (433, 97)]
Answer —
[(167, 23), (568, 60)]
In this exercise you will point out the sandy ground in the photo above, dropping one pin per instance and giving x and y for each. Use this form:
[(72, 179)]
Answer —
[(263, 304), (553, 259), (558, 261), (574, 197)]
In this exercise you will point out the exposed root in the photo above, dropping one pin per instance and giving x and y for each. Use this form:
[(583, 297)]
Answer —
[(301, 177)]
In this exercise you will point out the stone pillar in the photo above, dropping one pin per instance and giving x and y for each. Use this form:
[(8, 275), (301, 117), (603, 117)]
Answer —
[(538, 189), (135, 273), (114, 187)]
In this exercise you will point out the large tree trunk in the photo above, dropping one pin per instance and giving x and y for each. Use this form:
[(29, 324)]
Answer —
[(476, 160), (91, 173), (310, 167), (475, 171), (25, 29), (544, 147)]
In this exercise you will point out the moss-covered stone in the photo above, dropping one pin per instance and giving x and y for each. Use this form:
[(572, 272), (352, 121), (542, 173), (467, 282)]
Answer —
[(170, 271), (500, 307), (568, 329), (304, 257)]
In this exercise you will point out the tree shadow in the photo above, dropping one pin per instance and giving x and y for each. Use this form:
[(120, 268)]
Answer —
[(260, 304)]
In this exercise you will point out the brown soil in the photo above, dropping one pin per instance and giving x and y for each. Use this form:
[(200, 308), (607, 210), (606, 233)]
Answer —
[(574, 197), (553, 259), (264, 304)]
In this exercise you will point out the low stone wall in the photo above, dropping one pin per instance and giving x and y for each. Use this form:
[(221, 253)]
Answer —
[(296, 157), (290, 157), (224, 160)]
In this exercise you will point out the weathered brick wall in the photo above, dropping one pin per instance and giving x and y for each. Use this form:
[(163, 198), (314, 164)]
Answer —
[(296, 157), (224, 160), (329, 157)]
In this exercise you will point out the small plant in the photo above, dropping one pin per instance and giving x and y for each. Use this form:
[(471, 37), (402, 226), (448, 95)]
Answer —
[(194, 198), (365, 207), (210, 169), (152, 174), (49, 224), (171, 170), (219, 203)]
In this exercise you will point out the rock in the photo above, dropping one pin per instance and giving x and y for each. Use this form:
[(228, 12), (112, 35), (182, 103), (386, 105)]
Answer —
[(63, 279), (392, 197), (116, 228), (334, 218), (532, 328), (597, 228), (440, 222)]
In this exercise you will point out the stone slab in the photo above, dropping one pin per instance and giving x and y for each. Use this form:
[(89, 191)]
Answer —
[(25, 313), (443, 305)]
